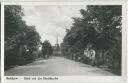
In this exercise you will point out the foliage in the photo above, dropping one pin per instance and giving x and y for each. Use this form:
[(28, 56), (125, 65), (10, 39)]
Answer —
[(100, 27), (19, 37), (47, 48)]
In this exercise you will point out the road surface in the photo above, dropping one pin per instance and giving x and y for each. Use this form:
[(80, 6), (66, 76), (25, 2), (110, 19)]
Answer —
[(58, 66)]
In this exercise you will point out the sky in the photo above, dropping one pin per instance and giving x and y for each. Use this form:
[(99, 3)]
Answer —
[(51, 20)]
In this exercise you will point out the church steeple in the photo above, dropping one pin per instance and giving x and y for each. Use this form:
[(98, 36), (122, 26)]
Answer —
[(57, 47), (57, 39), (57, 44)]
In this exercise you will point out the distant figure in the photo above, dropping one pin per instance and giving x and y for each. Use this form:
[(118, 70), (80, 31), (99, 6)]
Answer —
[(86, 52), (86, 55), (92, 56)]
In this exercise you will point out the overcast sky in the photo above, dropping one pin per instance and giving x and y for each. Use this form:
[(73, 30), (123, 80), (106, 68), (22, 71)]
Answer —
[(51, 21)]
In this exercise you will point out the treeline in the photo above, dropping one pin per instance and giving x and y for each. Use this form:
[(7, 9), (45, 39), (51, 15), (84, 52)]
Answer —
[(47, 50), (21, 41), (99, 28)]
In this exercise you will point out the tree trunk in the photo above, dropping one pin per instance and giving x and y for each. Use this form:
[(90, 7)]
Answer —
[(20, 55)]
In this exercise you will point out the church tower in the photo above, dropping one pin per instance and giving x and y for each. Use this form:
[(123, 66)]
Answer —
[(57, 47), (57, 40), (57, 44)]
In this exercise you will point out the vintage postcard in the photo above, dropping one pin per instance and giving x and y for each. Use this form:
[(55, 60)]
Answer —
[(53, 42)]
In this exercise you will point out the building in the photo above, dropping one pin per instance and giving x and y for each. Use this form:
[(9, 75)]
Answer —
[(56, 48)]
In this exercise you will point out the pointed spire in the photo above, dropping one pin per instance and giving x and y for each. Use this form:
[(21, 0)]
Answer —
[(57, 39)]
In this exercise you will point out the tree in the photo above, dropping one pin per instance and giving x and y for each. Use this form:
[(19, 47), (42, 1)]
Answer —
[(19, 37), (98, 28), (47, 49), (109, 25)]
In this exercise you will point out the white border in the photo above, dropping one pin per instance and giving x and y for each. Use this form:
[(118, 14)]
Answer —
[(127, 38), (63, 1), (75, 79)]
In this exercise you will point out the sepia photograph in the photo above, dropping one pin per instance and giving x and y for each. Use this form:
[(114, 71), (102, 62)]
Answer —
[(62, 40)]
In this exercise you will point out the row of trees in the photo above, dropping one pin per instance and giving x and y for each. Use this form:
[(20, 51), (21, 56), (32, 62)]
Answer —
[(47, 49), (21, 40), (99, 28)]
